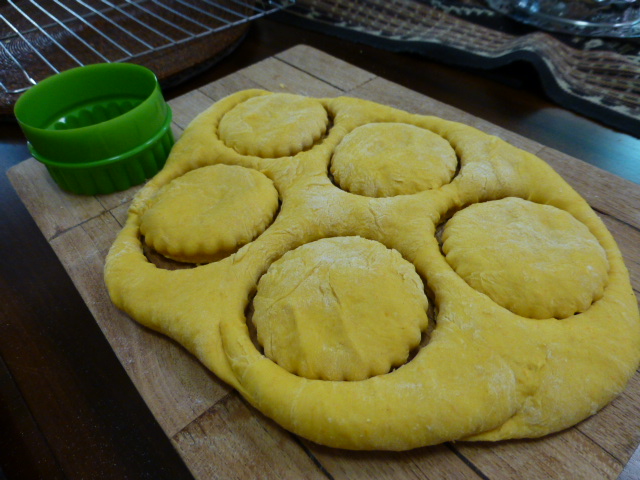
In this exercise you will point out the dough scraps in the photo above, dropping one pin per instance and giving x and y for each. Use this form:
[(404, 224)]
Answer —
[(535, 324)]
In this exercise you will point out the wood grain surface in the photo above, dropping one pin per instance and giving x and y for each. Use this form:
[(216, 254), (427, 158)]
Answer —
[(217, 434)]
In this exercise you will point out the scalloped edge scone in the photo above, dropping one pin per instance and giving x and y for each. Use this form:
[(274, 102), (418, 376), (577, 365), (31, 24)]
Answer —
[(342, 308), (208, 213), (274, 125), (536, 260), (388, 159)]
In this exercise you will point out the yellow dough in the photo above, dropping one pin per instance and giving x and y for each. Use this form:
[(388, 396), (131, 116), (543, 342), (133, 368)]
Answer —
[(342, 308), (274, 125), (536, 260), (387, 159), (208, 213), (533, 325)]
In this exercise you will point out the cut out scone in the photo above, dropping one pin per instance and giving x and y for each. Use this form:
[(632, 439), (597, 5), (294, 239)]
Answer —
[(342, 308), (209, 213), (387, 159), (535, 327), (274, 125), (536, 260)]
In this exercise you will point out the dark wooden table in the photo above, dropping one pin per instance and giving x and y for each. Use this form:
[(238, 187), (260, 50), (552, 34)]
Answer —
[(67, 407)]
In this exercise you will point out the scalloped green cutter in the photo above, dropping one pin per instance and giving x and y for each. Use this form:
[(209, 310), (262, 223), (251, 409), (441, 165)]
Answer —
[(98, 129)]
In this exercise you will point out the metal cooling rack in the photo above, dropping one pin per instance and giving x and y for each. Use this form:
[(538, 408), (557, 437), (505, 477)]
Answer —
[(41, 38)]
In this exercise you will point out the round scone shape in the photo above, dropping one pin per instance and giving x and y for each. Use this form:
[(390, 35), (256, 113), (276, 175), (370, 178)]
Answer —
[(342, 308), (274, 125), (388, 159), (209, 213), (536, 260)]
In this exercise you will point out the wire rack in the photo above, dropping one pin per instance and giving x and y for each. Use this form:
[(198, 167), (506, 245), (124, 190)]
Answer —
[(41, 38)]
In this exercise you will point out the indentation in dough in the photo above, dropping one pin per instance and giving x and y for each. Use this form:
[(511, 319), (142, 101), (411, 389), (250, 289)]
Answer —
[(274, 125), (162, 262), (342, 308), (388, 159), (536, 260), (209, 213)]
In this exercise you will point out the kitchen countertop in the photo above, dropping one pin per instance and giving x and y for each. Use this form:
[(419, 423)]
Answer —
[(67, 407)]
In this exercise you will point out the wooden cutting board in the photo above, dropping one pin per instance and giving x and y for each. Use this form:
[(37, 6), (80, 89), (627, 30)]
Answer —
[(215, 431)]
